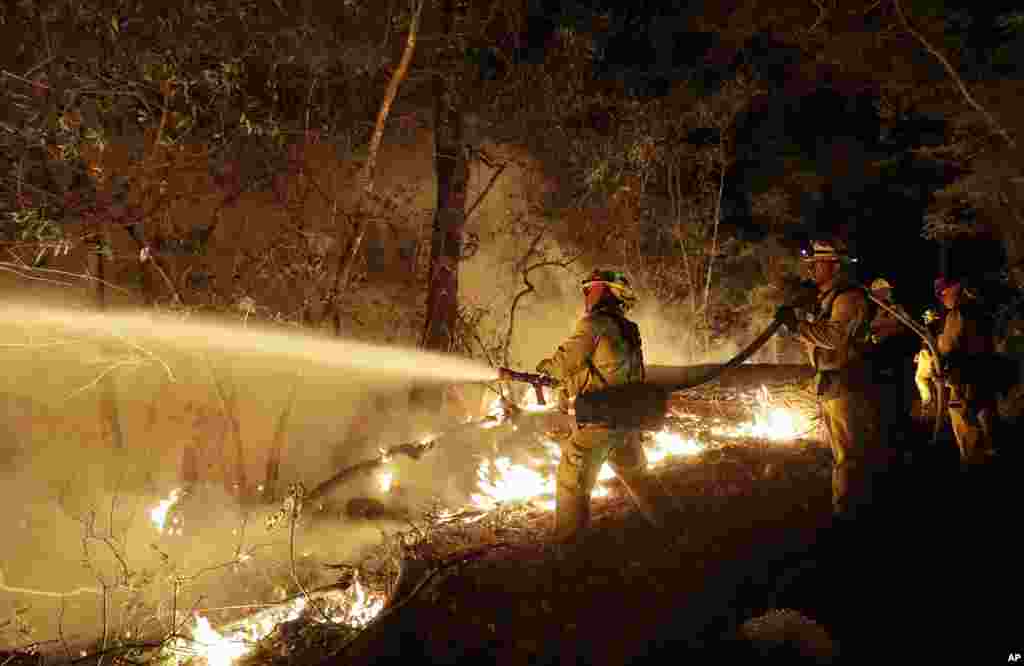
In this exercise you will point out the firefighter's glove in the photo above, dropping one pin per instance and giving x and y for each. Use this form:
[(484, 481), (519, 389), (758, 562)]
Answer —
[(546, 367), (786, 315)]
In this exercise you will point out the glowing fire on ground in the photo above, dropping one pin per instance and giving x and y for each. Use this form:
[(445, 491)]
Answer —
[(158, 514), (770, 422), (354, 607), (499, 481), (667, 444)]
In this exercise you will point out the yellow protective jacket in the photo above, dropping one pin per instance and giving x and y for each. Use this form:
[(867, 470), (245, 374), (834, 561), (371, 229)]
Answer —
[(962, 334), (604, 350), (834, 339), (886, 324), (969, 350)]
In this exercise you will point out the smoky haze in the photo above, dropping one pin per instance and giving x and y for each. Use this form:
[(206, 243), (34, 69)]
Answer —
[(75, 500), (222, 392)]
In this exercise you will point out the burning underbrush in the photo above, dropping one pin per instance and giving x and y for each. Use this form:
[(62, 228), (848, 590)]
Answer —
[(289, 580), (740, 441)]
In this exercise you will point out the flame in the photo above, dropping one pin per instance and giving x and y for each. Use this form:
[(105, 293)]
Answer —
[(215, 648), (770, 422), (356, 607), (511, 483), (158, 514), (362, 608), (668, 444), (501, 481), (222, 649)]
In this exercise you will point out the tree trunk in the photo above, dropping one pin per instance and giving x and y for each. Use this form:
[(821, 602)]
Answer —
[(452, 169), (347, 260)]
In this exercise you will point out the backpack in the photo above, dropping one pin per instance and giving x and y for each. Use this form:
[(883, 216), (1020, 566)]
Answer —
[(634, 406), (861, 338)]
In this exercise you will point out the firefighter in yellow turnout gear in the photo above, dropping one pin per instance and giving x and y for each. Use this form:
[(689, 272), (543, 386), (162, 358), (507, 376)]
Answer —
[(836, 342), (604, 350), (965, 344)]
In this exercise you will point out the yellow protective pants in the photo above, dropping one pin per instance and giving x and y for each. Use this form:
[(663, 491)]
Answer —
[(852, 415), (582, 458)]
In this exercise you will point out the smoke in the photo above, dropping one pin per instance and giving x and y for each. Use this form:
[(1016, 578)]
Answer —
[(203, 399), (192, 400), (545, 317)]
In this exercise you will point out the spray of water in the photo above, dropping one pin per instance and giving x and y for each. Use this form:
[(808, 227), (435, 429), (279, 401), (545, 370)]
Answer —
[(203, 335), (59, 440)]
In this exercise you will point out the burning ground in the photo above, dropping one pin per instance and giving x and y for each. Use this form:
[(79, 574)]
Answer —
[(472, 579)]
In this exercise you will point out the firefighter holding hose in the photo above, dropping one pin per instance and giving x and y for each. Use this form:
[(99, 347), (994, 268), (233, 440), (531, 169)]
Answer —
[(966, 347), (837, 342), (604, 351)]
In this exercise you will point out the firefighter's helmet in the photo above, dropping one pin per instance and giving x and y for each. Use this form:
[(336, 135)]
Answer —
[(833, 250), (617, 283), (880, 284)]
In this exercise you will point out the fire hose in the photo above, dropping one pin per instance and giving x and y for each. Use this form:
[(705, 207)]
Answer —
[(929, 340), (628, 398), (538, 381)]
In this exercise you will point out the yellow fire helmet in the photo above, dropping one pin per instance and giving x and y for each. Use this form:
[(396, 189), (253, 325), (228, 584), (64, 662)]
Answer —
[(827, 251), (880, 284)]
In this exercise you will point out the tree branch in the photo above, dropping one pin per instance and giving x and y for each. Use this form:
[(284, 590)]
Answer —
[(486, 190), (528, 289), (999, 129)]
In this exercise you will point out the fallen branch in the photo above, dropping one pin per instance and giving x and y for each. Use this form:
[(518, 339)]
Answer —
[(414, 451)]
